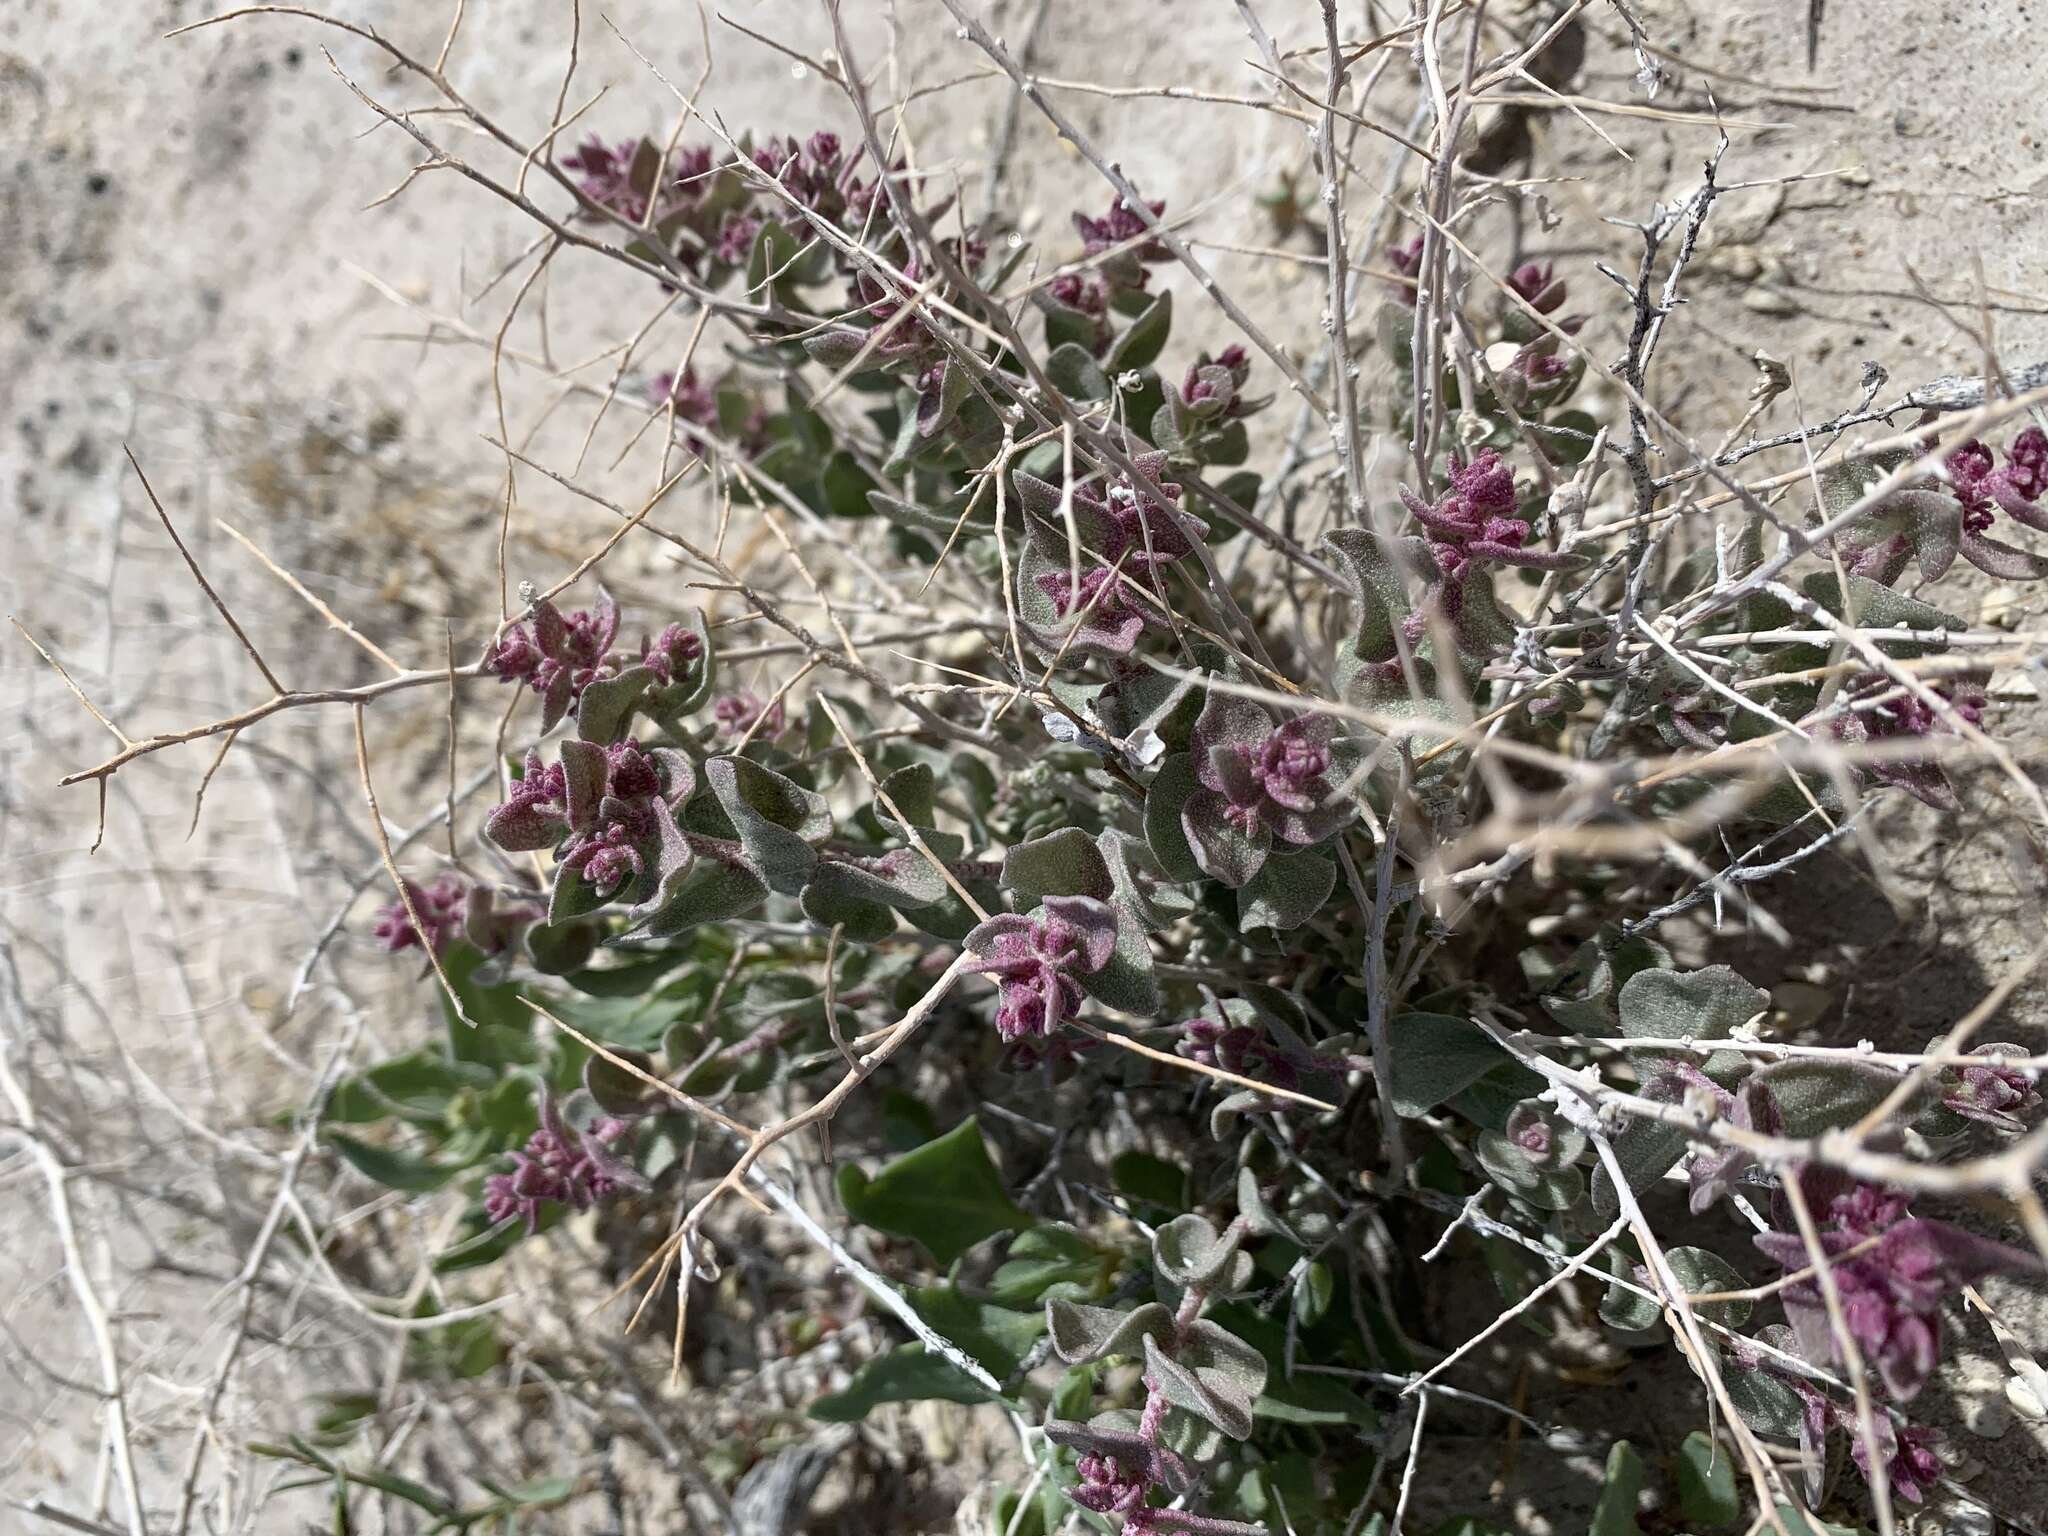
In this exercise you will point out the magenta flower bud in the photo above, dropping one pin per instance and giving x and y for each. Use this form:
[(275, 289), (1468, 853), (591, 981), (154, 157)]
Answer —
[(441, 908), (1996, 1095), (560, 1167), (1119, 226), (673, 654), (1911, 1466), (1038, 958), (1535, 284), (1407, 261), (737, 713), (1107, 1486)]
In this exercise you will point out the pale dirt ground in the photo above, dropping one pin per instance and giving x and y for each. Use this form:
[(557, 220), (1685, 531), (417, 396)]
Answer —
[(181, 250)]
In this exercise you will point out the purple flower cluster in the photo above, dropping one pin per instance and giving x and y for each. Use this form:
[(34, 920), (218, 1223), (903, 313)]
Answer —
[(605, 810), (560, 1167), (1406, 260), (441, 907), (561, 656), (1279, 784), (696, 405), (1114, 618), (1892, 1270), (1474, 521), (1258, 782), (817, 173), (1906, 719), (1107, 1486), (1136, 531), (1122, 225), (1911, 1465), (1980, 483), (1092, 290), (1240, 1048), (738, 714), (1538, 286), (673, 655), (1200, 386), (1040, 958), (604, 174), (1991, 1093)]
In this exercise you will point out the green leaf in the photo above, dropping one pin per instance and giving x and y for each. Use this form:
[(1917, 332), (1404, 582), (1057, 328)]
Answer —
[(1699, 1271), (1314, 1400), (1288, 890), (463, 1349), (1062, 863), (492, 1243), (1075, 373), (1799, 1523), (1050, 1260), (1815, 1095), (1151, 1179), (417, 1086), (1705, 1475), (1433, 1056), (1144, 340), (906, 1375), (996, 1338), (394, 1169), (1616, 1514), (504, 1026), (946, 1194)]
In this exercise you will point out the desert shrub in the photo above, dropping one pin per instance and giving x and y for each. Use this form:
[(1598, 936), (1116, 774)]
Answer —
[(1272, 842)]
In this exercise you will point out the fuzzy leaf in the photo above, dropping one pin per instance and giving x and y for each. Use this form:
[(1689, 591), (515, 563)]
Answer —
[(1699, 1271), (1062, 863), (1548, 1189), (1288, 890), (1169, 791), (1222, 849), (1212, 1374), (1814, 1094), (1144, 340), (1075, 373), (617, 1091), (714, 891), (607, 705), (830, 905), (1141, 888), (777, 819), (1432, 1057), (1189, 1251), (1081, 1333), (1670, 1004)]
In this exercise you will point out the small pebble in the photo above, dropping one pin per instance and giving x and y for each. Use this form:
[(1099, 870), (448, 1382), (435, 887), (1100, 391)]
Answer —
[(1986, 1413), (2023, 1401), (1769, 301)]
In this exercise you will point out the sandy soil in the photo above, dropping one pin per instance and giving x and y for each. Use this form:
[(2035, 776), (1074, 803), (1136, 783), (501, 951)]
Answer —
[(184, 264)]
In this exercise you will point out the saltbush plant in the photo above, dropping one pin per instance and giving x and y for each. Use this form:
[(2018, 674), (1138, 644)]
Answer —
[(1299, 799)]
